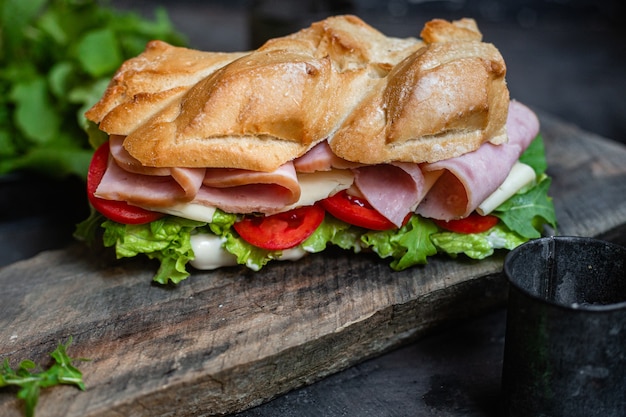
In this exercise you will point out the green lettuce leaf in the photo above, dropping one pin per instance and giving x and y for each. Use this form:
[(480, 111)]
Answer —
[(336, 232), (526, 212), (166, 239), (249, 255), (408, 246), (222, 222), (477, 245)]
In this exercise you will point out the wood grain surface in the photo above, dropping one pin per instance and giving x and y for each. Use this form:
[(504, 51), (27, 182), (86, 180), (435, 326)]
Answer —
[(224, 341)]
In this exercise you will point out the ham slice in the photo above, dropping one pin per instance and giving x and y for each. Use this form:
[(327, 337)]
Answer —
[(321, 158), (393, 190), (233, 190), (139, 189), (189, 179), (253, 198), (467, 180), (243, 191), (127, 162), (285, 176)]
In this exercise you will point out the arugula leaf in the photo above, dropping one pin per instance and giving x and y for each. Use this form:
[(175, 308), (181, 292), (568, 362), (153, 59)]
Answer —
[(535, 156), (98, 52), (34, 113), (524, 213), (30, 383)]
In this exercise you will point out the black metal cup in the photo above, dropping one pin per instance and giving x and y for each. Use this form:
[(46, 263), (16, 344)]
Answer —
[(565, 343)]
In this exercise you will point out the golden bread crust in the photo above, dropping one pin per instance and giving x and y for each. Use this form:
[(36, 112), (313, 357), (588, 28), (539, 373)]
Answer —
[(338, 79), (442, 101), (439, 30), (145, 84)]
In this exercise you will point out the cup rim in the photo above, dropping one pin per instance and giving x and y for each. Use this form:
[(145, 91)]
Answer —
[(570, 307)]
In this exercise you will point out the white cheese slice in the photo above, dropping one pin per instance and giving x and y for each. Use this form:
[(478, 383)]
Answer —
[(321, 184), (188, 211), (520, 176)]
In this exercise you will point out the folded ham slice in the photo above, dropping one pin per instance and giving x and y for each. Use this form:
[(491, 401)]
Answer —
[(392, 189), (235, 190), (189, 179), (144, 190), (244, 191), (321, 158), (460, 183), (467, 180)]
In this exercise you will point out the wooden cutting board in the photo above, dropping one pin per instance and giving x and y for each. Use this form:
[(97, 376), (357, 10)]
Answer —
[(226, 340)]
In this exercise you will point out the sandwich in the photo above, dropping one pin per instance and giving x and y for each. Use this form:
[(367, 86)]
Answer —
[(333, 136)]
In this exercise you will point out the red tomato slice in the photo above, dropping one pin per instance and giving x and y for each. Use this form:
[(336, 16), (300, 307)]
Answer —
[(474, 223), (282, 230), (119, 211), (356, 211)]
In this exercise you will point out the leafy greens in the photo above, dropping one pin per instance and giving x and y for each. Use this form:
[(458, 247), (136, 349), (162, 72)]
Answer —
[(30, 382), (56, 59)]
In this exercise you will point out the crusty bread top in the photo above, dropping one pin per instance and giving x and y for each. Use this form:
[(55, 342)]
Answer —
[(376, 98), (442, 101), (145, 84)]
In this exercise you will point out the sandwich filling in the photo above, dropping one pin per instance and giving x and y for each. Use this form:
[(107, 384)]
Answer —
[(444, 190)]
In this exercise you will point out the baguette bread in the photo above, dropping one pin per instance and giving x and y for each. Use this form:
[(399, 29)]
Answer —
[(442, 101), (375, 98)]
